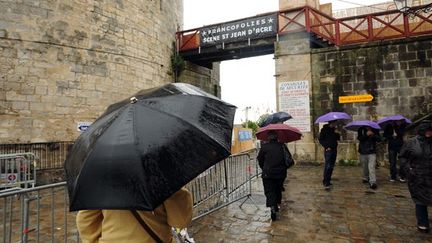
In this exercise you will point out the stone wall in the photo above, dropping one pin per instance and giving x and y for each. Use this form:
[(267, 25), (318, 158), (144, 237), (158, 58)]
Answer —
[(207, 79), (398, 74), (293, 59), (62, 62)]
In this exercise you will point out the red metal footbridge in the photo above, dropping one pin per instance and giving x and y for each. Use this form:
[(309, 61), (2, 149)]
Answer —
[(256, 35)]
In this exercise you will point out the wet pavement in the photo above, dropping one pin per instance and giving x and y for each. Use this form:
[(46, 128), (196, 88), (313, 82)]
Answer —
[(349, 212)]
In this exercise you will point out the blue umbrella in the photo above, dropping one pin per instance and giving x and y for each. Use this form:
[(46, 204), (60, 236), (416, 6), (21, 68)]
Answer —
[(333, 116), (274, 118), (355, 125), (386, 120)]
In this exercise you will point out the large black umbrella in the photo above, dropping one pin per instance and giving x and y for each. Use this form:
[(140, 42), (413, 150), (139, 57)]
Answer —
[(143, 149)]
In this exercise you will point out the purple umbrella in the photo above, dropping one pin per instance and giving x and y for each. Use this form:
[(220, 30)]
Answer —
[(332, 116), (388, 119), (355, 125)]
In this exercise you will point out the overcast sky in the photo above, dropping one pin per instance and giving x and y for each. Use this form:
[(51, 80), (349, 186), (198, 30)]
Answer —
[(247, 82)]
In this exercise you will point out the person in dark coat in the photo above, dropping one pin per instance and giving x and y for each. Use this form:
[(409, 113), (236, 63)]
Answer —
[(274, 171), (368, 138), (394, 133), (416, 161), (329, 138)]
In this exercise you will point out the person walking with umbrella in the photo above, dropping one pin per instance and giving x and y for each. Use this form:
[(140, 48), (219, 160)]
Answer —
[(274, 171), (274, 159), (368, 136), (416, 161), (328, 138), (134, 159), (394, 129)]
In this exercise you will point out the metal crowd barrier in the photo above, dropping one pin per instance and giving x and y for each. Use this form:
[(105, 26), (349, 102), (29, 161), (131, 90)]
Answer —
[(41, 214), (225, 183), (51, 155), (17, 170)]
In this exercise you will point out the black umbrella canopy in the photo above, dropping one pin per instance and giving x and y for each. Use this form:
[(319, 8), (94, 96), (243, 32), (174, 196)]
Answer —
[(143, 149)]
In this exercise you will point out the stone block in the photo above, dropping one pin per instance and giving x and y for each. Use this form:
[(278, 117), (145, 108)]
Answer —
[(390, 66), (405, 92), (3, 33), (424, 45), (27, 90), (403, 65), (348, 87), (409, 73), (419, 91), (20, 105), (419, 73), (407, 56), (389, 75), (12, 86), (399, 74), (37, 106), (41, 90), (14, 96), (429, 54)]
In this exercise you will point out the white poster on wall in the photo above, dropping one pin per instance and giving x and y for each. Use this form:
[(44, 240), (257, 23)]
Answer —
[(294, 99)]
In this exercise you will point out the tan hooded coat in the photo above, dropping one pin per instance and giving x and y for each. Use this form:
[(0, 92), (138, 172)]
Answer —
[(102, 226)]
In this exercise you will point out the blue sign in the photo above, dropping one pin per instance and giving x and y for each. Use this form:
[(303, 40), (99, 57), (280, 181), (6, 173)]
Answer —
[(244, 135), (83, 126)]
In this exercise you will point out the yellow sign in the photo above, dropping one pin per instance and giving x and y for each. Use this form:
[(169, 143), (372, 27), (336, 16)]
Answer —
[(355, 98)]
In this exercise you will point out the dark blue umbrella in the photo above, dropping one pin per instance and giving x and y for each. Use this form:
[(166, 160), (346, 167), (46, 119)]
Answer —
[(386, 120), (274, 118), (333, 116), (355, 125)]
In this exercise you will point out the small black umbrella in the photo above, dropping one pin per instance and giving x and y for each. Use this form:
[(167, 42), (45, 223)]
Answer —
[(275, 118), (143, 149)]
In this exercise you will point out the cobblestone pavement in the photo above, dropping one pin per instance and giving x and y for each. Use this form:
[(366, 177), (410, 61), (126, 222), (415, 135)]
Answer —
[(349, 212)]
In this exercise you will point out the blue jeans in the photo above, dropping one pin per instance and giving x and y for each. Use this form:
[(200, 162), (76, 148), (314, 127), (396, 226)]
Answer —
[(422, 215), (330, 159), (393, 165)]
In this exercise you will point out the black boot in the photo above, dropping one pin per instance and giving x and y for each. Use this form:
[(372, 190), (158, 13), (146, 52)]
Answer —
[(273, 213)]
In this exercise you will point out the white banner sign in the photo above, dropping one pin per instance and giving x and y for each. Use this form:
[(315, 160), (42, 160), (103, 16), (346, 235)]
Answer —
[(294, 99)]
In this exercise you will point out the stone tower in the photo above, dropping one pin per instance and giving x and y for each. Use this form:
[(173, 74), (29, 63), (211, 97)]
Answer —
[(63, 62)]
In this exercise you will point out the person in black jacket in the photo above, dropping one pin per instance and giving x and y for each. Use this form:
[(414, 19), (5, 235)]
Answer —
[(394, 133), (416, 161), (368, 138), (329, 138), (274, 171)]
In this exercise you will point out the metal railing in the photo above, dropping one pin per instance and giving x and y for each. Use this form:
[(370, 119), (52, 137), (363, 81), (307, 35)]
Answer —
[(41, 214), (378, 26), (225, 183), (51, 155), (17, 170)]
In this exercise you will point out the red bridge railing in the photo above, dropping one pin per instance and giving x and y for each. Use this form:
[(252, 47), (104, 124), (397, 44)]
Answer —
[(343, 31)]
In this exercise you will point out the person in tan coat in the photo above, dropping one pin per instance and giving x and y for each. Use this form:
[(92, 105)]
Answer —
[(101, 226)]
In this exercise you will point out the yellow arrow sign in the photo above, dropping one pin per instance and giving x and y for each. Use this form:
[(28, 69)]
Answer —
[(355, 98)]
